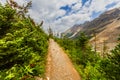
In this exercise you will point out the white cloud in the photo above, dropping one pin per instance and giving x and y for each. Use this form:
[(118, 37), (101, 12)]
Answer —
[(2, 1), (77, 6), (49, 10), (116, 6)]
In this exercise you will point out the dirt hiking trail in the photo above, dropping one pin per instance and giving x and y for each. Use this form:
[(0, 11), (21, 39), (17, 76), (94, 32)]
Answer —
[(59, 66)]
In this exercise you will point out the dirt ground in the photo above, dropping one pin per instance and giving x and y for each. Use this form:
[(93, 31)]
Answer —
[(59, 66)]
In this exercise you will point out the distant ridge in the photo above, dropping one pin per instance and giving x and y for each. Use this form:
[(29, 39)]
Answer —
[(106, 27)]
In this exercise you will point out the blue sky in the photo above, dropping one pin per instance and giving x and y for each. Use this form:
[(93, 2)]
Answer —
[(63, 14), (83, 2), (111, 5)]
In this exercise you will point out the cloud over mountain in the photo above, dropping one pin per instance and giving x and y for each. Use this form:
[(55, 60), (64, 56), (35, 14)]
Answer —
[(63, 14)]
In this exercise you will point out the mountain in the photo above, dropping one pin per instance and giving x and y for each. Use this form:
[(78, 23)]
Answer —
[(97, 25), (106, 29), (73, 31), (106, 40)]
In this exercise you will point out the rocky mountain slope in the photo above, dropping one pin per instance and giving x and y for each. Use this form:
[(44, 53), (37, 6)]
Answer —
[(106, 29), (106, 40), (97, 25)]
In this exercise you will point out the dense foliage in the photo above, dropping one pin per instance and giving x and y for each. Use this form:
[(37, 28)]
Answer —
[(23, 46), (89, 64), (111, 64)]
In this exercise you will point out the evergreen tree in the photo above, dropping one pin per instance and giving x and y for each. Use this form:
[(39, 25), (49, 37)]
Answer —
[(7, 17), (23, 45), (82, 41), (50, 32)]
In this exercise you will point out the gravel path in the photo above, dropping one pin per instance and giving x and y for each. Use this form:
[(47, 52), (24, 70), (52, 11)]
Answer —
[(59, 66)]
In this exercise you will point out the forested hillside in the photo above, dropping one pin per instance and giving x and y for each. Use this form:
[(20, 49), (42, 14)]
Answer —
[(23, 44)]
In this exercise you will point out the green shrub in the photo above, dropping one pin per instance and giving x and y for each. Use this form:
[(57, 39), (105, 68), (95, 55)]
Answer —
[(23, 46)]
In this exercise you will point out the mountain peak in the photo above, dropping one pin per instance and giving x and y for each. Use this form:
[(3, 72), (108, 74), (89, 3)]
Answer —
[(106, 27)]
